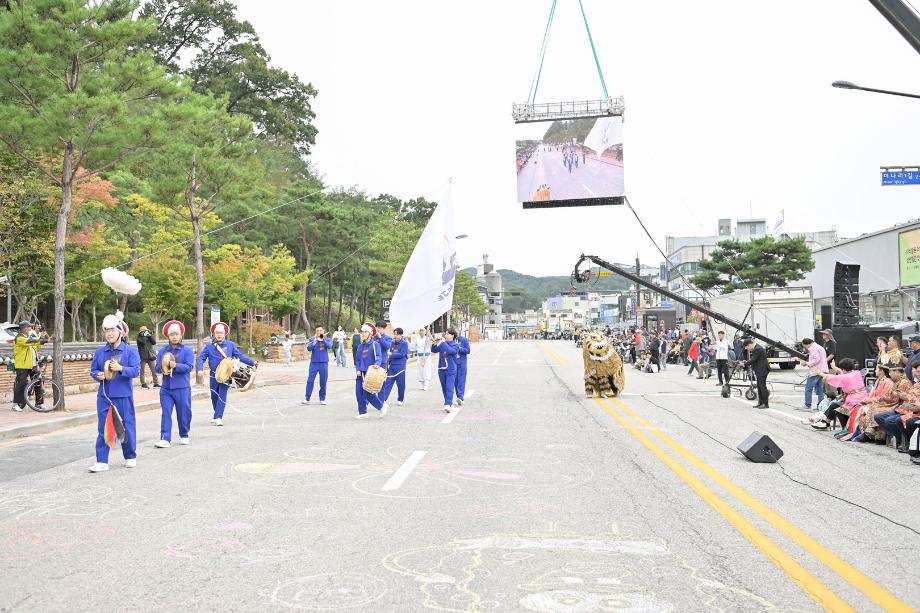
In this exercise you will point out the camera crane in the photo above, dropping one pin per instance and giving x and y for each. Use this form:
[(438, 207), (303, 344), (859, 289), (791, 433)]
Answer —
[(584, 276)]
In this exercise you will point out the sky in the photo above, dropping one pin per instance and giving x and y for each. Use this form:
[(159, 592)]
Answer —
[(729, 113)]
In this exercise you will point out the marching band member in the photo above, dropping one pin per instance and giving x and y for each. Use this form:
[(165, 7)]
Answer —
[(176, 390), (447, 349), (396, 368), (116, 393), (369, 353), (423, 350), (319, 347), (214, 352), (463, 352), (385, 340)]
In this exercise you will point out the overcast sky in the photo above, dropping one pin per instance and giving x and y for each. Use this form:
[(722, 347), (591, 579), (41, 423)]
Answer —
[(729, 112)]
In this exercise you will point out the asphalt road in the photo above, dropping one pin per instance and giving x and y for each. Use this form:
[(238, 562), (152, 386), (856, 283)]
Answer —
[(591, 179), (529, 497)]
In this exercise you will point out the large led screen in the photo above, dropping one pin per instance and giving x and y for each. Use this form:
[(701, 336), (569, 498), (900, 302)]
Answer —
[(571, 162)]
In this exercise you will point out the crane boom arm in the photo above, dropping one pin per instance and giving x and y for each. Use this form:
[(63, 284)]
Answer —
[(583, 276)]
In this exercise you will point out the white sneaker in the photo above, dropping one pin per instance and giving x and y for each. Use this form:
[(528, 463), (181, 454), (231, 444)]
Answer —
[(425, 387), (132, 463), (361, 416), (217, 422), (98, 467), (323, 402), (447, 408), (214, 421), (183, 441), (304, 402), (17, 408), (383, 410), (459, 402), (162, 444), (399, 402)]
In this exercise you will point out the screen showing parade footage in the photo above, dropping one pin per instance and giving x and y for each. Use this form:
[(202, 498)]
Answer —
[(572, 162)]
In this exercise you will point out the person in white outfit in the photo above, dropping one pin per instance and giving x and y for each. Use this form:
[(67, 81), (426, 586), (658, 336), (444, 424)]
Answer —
[(286, 345), (423, 349)]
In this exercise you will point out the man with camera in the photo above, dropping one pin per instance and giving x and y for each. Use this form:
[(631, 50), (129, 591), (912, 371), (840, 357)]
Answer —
[(319, 347), (25, 360), (145, 345)]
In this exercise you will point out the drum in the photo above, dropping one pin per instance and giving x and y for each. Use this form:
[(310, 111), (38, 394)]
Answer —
[(374, 378), (224, 370), (168, 363), (243, 377)]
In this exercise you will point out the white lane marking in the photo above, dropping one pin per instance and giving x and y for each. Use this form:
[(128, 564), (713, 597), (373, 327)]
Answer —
[(498, 357), (450, 416), (403, 471), (795, 418), (587, 189)]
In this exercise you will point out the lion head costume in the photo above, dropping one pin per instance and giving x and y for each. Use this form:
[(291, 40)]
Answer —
[(604, 374)]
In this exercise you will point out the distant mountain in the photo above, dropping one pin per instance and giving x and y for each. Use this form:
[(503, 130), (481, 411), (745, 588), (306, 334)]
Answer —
[(534, 290)]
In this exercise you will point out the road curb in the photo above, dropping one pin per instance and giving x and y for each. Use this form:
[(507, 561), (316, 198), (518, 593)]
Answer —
[(77, 419)]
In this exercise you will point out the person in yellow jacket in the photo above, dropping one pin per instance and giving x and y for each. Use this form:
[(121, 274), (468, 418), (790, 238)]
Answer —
[(25, 361)]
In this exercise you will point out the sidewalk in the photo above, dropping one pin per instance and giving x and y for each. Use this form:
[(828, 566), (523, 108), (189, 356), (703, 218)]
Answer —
[(81, 407)]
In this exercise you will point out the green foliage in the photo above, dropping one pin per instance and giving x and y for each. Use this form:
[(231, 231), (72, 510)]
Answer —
[(169, 287), (762, 262), (467, 301)]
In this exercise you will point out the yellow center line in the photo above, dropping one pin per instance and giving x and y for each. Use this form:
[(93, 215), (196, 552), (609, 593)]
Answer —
[(808, 582), (864, 584), (819, 592)]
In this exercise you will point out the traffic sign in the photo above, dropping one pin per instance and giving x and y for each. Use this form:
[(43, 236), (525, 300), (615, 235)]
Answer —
[(901, 177)]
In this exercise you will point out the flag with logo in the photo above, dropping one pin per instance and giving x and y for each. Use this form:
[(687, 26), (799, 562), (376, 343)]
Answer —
[(426, 288)]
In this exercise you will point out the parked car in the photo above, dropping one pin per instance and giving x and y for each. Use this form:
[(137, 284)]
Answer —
[(8, 332)]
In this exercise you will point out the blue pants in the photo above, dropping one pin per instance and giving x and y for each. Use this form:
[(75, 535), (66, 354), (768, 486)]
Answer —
[(321, 369), (448, 383), (395, 375), (460, 386), (814, 383), (181, 399), (125, 407), (364, 398), (890, 422), (219, 397)]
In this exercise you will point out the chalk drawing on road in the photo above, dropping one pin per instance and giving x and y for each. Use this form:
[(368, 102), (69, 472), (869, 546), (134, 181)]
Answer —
[(560, 573), (90, 501), (327, 592)]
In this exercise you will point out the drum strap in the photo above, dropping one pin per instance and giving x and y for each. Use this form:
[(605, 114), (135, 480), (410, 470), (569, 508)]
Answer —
[(221, 349)]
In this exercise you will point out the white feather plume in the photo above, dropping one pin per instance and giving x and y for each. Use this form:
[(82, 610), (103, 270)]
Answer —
[(120, 281)]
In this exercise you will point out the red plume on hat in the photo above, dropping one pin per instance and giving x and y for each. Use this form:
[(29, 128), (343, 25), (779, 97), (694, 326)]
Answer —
[(220, 324), (369, 327), (172, 325)]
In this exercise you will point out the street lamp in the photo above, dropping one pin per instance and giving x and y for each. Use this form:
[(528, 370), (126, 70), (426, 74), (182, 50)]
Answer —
[(851, 85)]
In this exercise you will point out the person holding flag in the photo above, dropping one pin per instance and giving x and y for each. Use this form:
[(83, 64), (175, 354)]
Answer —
[(396, 368), (114, 366), (214, 352), (176, 390), (446, 348), (319, 347), (463, 352), (369, 353)]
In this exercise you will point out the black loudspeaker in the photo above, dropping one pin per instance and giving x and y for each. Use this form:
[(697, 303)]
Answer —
[(846, 294), (827, 318), (760, 448)]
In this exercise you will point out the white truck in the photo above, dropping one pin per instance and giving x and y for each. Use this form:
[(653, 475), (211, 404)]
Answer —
[(785, 314)]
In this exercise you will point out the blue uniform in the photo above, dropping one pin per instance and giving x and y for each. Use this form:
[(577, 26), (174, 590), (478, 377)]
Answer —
[(447, 368), (368, 354), (213, 355), (119, 392), (176, 391), (319, 365), (396, 370), (463, 352)]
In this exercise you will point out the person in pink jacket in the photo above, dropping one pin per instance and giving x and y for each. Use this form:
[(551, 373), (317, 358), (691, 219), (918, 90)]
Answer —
[(850, 381)]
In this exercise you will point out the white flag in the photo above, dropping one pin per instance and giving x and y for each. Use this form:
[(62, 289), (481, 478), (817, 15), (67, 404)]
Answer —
[(607, 132), (426, 288), (780, 226)]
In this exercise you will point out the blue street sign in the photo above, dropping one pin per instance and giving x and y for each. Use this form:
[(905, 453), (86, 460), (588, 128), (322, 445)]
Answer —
[(667, 305), (901, 177)]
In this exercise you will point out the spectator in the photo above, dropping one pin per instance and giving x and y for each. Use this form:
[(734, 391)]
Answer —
[(655, 350), (338, 341), (895, 356), (881, 344), (286, 345), (722, 358), (25, 360), (145, 345), (914, 359), (830, 347), (850, 382), (817, 364), (693, 354), (896, 392), (355, 341), (685, 342)]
